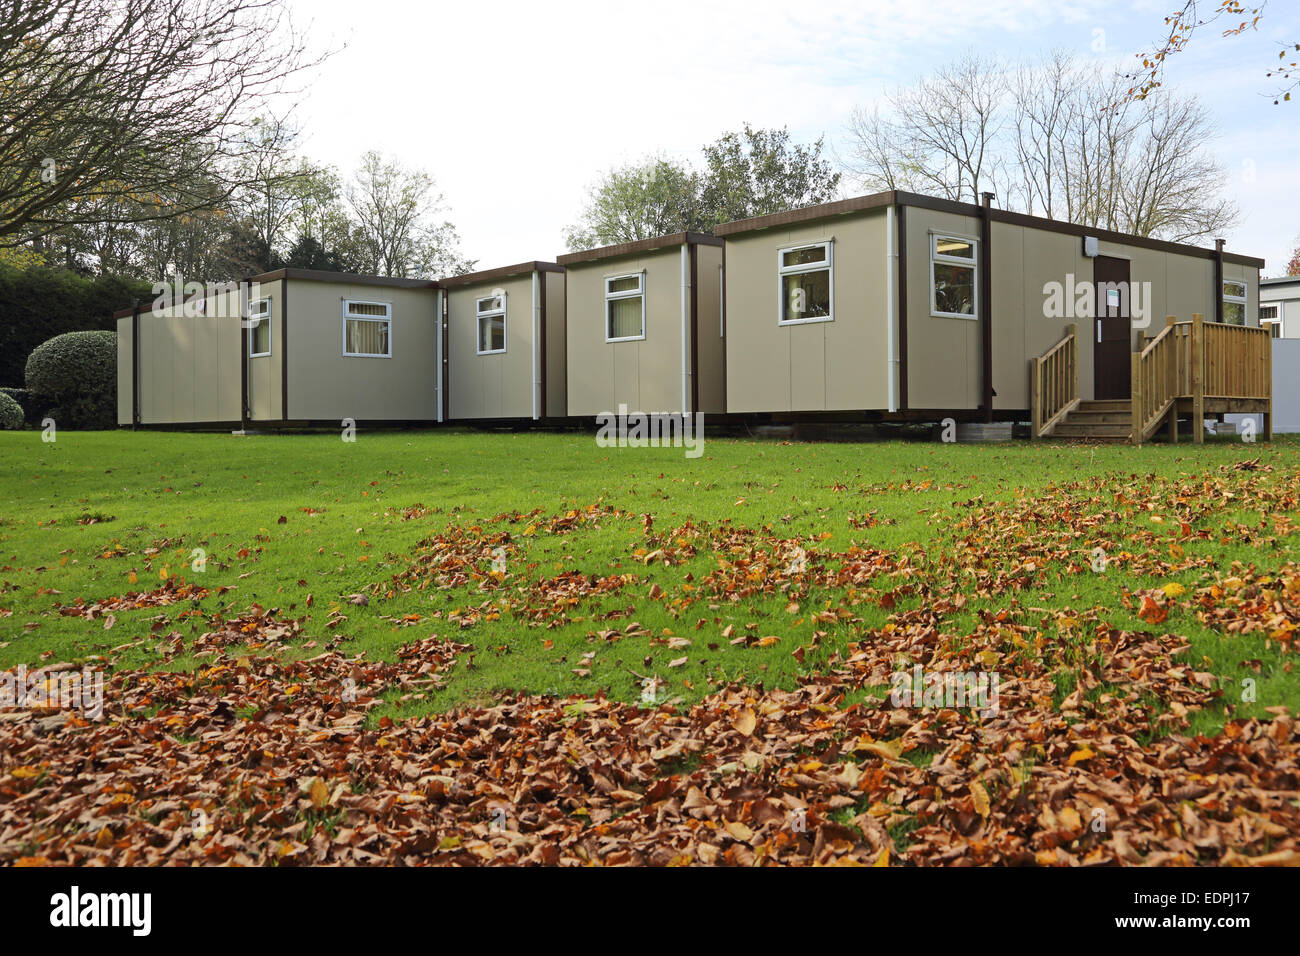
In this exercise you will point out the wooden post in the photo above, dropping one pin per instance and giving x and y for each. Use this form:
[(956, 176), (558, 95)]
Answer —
[(1036, 368), (1268, 384), (1136, 375), (1073, 331), (1198, 378)]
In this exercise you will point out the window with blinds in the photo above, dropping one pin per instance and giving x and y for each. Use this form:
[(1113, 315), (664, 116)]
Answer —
[(625, 307), (367, 329)]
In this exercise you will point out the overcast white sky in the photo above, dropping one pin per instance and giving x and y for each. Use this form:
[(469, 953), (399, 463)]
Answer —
[(516, 108)]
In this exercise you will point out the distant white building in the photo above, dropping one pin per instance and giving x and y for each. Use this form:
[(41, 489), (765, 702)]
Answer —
[(1279, 306)]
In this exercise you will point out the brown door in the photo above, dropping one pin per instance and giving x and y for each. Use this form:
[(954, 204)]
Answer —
[(1112, 335)]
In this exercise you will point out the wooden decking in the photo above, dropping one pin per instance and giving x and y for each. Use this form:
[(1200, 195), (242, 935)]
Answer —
[(1189, 370)]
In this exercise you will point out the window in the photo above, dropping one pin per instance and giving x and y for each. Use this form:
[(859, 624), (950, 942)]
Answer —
[(366, 332), (625, 307), (805, 276), (952, 277), (1234, 302), (491, 323), (259, 328), (1271, 316)]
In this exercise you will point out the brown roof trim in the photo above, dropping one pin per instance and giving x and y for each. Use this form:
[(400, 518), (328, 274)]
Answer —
[(346, 278), (898, 197), (808, 213), (1106, 235), (638, 247), (504, 272), (315, 275)]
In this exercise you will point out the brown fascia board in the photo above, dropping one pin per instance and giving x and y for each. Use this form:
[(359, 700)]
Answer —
[(638, 247), (316, 275), (897, 197), (504, 272), (346, 278), (830, 210)]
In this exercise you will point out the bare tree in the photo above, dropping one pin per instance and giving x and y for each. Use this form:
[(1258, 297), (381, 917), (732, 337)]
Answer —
[(1072, 148), (395, 210), (130, 110)]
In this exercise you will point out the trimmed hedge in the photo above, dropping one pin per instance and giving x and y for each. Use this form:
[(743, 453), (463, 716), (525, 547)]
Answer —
[(36, 304), (11, 413), (24, 398), (73, 379)]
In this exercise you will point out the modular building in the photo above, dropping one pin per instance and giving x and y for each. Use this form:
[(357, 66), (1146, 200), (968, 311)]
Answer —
[(289, 347), (644, 327), (504, 343), (906, 306)]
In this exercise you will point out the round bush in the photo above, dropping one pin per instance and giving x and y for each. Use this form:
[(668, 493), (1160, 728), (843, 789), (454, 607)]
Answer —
[(11, 413), (76, 374)]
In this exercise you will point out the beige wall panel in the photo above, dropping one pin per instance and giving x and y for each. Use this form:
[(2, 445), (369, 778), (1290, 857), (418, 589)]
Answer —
[(627, 378), (125, 356), (1016, 311), (808, 366), (758, 349), (264, 389), (1188, 287), (326, 385), (943, 354), (837, 365), (856, 369), (497, 385), (156, 370), (712, 354), (184, 332), (645, 375), (556, 348)]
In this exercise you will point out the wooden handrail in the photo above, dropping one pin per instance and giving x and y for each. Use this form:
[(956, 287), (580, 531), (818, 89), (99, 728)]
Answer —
[(1054, 381), (1155, 381), (1198, 360)]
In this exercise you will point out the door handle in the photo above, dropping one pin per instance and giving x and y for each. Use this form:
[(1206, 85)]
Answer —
[(1099, 331)]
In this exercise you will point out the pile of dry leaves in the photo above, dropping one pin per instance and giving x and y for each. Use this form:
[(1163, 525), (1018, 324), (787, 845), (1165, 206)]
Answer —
[(260, 758)]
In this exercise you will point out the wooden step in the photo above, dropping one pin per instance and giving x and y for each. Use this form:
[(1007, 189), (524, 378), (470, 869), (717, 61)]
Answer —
[(1072, 429), (1106, 405), (1091, 417)]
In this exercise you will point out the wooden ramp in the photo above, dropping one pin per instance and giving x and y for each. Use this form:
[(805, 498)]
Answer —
[(1189, 370)]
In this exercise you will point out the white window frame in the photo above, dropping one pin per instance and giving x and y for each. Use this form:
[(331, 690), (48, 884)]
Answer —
[(1276, 320), (972, 263), (480, 314), (1236, 299), (386, 318), (256, 319), (782, 270), (632, 293)]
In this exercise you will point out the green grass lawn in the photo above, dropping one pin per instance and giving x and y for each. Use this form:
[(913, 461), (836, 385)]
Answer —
[(301, 523)]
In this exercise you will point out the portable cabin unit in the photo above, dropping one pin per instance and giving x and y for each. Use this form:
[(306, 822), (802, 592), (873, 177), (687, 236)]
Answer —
[(644, 326), (909, 307), (1279, 306), (505, 343), (316, 348)]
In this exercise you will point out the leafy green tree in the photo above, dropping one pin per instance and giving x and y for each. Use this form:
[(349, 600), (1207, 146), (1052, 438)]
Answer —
[(639, 201), (747, 173), (757, 172), (396, 211)]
